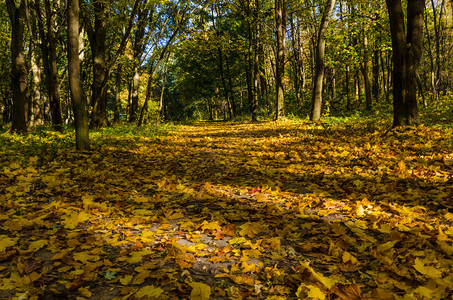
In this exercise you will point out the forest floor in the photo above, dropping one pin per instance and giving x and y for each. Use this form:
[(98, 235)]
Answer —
[(272, 210)]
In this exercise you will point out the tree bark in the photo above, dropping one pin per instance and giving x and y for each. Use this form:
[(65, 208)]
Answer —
[(98, 51), (119, 74), (280, 24), (366, 77), (19, 74), (139, 48), (376, 89), (48, 47), (78, 101), (161, 100), (407, 52), (319, 63), (35, 109)]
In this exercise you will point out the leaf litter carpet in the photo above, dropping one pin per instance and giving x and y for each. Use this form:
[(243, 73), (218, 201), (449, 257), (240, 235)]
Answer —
[(231, 211)]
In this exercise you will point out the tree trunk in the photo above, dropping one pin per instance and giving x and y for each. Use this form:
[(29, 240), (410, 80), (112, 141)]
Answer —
[(226, 91), (319, 63), (230, 86), (139, 48), (280, 25), (48, 47), (98, 51), (376, 89), (407, 52), (119, 74), (144, 110), (78, 101), (161, 100), (297, 62), (135, 85), (19, 74), (250, 60), (35, 114)]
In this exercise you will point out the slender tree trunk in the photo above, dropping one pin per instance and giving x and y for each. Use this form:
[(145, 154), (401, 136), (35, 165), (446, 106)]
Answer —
[(55, 105), (407, 52), (366, 77), (230, 86), (376, 89), (161, 100), (250, 59), (78, 101), (119, 74), (19, 74), (297, 61), (280, 25), (54, 83), (135, 85), (48, 46), (35, 116), (348, 96), (226, 91), (144, 110), (256, 60), (319, 64)]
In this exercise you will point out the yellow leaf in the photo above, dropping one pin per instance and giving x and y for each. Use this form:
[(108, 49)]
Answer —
[(6, 242), (449, 216), (237, 240), (126, 279), (424, 292), (358, 183), (36, 245), (74, 218), (149, 291), (310, 292), (211, 225), (77, 272), (251, 229), (449, 231), (140, 278), (85, 292), (349, 257), (428, 271), (200, 291), (84, 257), (326, 281), (385, 247), (135, 258), (360, 211), (175, 216)]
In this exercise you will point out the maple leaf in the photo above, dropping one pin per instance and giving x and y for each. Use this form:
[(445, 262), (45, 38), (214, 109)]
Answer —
[(6, 242), (251, 229), (149, 291), (428, 271), (214, 225), (310, 292), (326, 281), (200, 291)]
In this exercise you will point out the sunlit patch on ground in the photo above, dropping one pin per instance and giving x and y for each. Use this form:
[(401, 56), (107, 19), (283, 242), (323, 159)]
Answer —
[(229, 211)]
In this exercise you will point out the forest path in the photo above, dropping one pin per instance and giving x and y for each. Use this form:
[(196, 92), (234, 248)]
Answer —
[(230, 210)]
